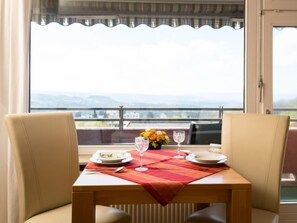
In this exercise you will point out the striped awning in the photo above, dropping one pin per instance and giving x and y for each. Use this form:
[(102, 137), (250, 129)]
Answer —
[(133, 13)]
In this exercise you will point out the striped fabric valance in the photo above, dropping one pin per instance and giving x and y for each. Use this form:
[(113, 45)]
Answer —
[(133, 13)]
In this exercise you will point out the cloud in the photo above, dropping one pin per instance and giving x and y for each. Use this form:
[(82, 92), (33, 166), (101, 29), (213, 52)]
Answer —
[(156, 63)]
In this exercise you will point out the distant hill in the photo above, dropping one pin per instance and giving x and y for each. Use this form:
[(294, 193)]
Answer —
[(62, 100), (288, 103), (132, 100)]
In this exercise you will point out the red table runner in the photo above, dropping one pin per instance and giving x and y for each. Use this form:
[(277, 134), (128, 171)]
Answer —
[(165, 176)]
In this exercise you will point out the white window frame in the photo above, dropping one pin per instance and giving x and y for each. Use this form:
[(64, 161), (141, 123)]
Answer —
[(280, 4), (252, 52)]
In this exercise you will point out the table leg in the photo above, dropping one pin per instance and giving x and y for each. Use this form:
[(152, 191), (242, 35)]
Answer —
[(237, 210), (83, 207)]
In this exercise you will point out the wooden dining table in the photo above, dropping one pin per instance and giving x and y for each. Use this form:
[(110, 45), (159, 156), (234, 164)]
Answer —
[(226, 186)]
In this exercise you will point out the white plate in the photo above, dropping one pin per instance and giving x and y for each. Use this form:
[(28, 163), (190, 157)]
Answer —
[(98, 161), (107, 156), (211, 158), (192, 158)]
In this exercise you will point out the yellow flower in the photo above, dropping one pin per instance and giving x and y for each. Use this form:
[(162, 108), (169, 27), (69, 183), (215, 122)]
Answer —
[(156, 137)]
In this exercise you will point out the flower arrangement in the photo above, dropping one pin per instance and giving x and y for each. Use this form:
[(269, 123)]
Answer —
[(156, 137)]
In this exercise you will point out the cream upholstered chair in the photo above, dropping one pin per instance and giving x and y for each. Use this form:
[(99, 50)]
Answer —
[(254, 145), (45, 150)]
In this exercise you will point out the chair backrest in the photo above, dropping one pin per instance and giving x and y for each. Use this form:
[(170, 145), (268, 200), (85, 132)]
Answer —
[(255, 145), (205, 133), (45, 151)]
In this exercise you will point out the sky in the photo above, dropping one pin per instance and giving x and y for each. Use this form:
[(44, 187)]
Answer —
[(154, 61), (285, 62), (161, 60)]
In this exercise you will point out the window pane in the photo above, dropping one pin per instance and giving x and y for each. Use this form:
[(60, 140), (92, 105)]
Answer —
[(285, 101), (136, 71), (285, 72)]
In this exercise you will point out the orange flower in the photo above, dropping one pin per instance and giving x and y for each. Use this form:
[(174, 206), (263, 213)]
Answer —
[(152, 137), (156, 137)]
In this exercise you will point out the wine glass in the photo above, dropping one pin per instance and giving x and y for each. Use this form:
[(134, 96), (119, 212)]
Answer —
[(178, 137), (142, 145)]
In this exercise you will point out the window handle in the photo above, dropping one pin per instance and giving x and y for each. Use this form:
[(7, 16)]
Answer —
[(261, 87)]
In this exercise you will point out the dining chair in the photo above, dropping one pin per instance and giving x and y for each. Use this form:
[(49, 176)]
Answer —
[(255, 146), (45, 150), (205, 133)]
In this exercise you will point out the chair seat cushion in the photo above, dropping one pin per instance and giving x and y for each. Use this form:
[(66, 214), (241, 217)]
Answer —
[(217, 214), (262, 216), (63, 215)]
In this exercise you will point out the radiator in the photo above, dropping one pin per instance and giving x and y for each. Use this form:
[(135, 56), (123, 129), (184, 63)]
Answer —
[(155, 213)]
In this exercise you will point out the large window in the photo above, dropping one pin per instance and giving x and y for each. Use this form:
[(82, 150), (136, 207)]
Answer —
[(101, 67), (125, 73)]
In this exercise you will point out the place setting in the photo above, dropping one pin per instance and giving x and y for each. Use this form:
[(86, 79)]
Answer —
[(118, 158), (108, 161), (206, 158), (110, 157)]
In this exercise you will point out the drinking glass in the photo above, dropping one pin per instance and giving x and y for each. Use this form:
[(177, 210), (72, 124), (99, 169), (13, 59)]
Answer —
[(142, 145), (178, 137)]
